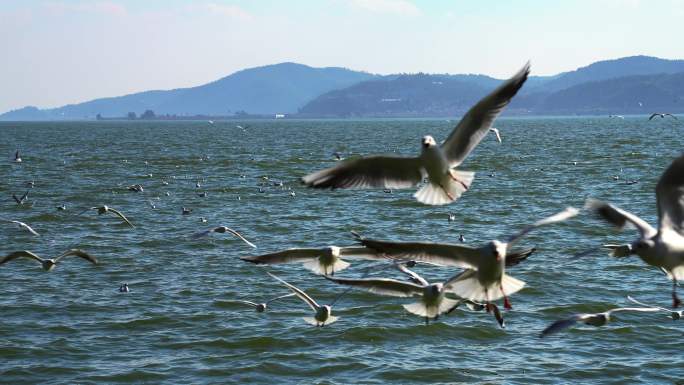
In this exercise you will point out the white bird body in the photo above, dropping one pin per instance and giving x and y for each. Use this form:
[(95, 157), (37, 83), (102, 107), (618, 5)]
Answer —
[(436, 162), (662, 247), (323, 313)]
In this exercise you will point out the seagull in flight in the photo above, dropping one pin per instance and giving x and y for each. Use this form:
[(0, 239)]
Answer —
[(593, 319), (432, 302), (325, 261), (484, 279), (664, 247), (49, 264), (222, 230), (323, 314), (26, 227), (17, 157), (261, 307), (436, 163), (662, 115), (106, 209), (20, 201)]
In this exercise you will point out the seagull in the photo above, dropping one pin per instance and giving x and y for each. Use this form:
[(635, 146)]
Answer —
[(20, 201), (436, 162), (675, 314), (432, 303), (136, 188), (222, 230), (323, 314), (185, 211), (325, 261), (26, 227), (49, 264), (662, 115), (17, 157), (106, 209), (62, 207), (593, 319), (496, 132), (451, 217), (484, 279), (124, 288), (664, 247), (461, 238), (261, 307)]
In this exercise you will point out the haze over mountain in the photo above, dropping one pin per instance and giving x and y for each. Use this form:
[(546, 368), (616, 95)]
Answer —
[(637, 84)]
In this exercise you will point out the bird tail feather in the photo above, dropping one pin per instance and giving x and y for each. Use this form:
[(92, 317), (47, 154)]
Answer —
[(449, 191)]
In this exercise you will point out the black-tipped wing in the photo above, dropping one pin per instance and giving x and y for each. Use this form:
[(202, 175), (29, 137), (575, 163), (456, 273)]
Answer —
[(374, 171), (299, 293), (560, 325), (566, 214), (670, 197), (476, 123), (383, 286)]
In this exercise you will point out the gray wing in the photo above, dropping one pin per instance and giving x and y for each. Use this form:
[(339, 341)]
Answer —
[(637, 309), (476, 123), (440, 254), (383, 286), (374, 171), (653, 116), (18, 254), (561, 325), (361, 253), (250, 303), (201, 234), (515, 257), (643, 304), (670, 197), (568, 213), (78, 253), (618, 217), (118, 213), (299, 293), (285, 256)]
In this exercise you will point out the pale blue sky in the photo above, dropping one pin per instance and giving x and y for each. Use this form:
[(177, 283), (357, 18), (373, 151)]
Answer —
[(67, 51)]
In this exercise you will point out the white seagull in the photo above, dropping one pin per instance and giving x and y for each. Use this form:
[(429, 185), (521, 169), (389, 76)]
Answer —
[(484, 279), (436, 162), (664, 247), (325, 261), (49, 264), (662, 115), (222, 230), (26, 227), (106, 209), (593, 319), (261, 307), (323, 314), (432, 302)]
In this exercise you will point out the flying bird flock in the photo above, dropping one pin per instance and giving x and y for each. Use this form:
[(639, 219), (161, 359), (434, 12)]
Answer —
[(481, 277)]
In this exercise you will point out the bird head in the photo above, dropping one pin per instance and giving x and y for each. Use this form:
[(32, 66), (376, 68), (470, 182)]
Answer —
[(499, 250), (48, 264), (428, 141), (333, 250), (260, 307)]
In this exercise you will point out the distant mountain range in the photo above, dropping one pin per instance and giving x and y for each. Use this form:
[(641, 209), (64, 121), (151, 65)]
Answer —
[(630, 85)]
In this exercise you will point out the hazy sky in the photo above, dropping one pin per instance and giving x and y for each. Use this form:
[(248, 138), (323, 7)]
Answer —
[(68, 51)]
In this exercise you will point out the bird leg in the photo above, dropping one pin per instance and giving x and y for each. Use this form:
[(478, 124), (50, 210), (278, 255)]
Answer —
[(675, 299), (458, 180), (507, 303), (447, 193)]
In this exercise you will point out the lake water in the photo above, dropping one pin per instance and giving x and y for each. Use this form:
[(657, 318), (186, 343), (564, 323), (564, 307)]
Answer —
[(177, 325)]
